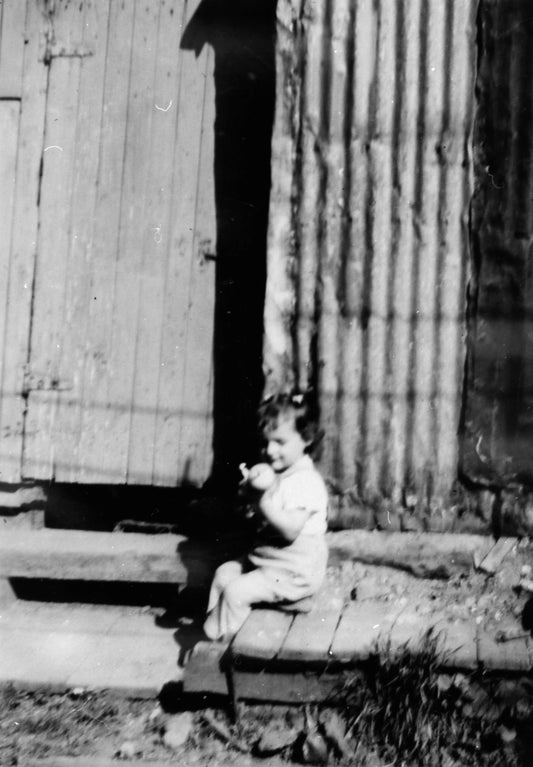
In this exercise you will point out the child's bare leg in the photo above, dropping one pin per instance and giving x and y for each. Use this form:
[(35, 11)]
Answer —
[(235, 603), (223, 576)]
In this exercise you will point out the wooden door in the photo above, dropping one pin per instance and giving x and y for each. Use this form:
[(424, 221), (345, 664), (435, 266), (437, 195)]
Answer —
[(118, 376)]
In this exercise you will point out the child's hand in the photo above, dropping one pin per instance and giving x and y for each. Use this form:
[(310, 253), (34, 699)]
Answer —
[(261, 477)]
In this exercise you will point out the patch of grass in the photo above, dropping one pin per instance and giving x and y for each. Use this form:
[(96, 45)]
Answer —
[(36, 723), (405, 709)]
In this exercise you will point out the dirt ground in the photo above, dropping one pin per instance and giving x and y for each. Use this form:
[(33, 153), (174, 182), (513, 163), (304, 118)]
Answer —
[(492, 601), (36, 726)]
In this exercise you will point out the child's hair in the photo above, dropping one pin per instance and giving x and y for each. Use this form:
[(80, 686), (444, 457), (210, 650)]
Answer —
[(298, 407)]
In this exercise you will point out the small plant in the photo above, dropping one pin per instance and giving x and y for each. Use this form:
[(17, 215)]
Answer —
[(402, 707)]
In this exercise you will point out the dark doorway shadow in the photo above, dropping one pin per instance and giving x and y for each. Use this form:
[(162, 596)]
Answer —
[(242, 35)]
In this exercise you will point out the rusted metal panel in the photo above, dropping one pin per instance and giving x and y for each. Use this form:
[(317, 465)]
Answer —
[(368, 241), (499, 424), (119, 378)]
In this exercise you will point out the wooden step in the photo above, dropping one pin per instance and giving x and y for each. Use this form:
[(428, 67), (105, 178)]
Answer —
[(60, 647), (96, 556)]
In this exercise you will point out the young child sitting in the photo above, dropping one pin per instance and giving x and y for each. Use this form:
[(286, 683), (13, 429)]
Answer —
[(288, 560)]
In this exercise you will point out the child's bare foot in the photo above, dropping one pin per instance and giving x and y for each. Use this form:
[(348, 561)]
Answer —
[(187, 637)]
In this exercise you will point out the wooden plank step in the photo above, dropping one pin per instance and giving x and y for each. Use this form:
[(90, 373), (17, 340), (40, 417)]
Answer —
[(62, 647), (492, 561), (362, 629), (262, 635), (96, 556), (310, 636)]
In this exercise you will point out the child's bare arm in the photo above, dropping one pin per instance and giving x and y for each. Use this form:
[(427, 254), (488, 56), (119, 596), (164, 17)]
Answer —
[(289, 525), (262, 481)]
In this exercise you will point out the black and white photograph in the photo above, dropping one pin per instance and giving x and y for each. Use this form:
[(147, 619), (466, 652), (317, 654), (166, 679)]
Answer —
[(266, 383)]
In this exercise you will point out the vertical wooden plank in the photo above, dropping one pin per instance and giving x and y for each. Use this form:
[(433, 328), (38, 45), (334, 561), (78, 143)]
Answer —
[(196, 396), (129, 266), (98, 420), (12, 28), (23, 249), (170, 458), (151, 327), (48, 331), (78, 288), (9, 123)]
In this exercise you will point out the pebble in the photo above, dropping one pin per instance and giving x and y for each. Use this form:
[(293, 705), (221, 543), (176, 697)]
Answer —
[(314, 749), (276, 738), (177, 729), (128, 750), (506, 734)]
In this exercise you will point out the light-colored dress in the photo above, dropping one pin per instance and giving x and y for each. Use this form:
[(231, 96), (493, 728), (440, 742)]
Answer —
[(302, 563), (275, 570)]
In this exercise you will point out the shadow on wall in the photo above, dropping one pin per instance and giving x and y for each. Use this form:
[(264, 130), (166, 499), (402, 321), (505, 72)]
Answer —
[(242, 35), (498, 412)]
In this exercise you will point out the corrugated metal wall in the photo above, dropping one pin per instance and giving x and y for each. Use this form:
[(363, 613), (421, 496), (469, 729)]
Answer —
[(368, 243), (108, 300)]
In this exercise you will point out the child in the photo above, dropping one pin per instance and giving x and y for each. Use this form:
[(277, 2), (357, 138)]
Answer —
[(288, 561)]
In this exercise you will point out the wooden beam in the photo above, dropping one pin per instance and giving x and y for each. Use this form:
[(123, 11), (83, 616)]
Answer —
[(285, 687), (491, 563), (205, 670), (426, 555), (97, 556)]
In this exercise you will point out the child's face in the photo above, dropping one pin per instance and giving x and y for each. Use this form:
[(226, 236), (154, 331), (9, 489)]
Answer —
[(284, 445)]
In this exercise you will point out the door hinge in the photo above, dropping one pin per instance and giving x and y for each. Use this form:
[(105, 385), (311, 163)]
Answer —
[(44, 382), (51, 48)]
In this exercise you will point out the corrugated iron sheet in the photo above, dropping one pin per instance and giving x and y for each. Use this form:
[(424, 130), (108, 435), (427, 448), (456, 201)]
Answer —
[(368, 242)]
